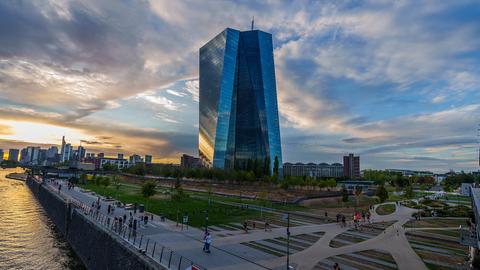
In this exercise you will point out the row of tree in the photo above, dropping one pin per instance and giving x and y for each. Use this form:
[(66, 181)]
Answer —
[(454, 181)]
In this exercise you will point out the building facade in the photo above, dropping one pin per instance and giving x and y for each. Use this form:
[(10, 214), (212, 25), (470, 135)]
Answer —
[(13, 154), (187, 161), (238, 101), (335, 170), (351, 166), (148, 159)]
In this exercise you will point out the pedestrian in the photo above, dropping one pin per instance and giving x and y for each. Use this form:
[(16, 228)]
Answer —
[(145, 219), (59, 188), (245, 226), (108, 209), (344, 224), (336, 266), (205, 240), (326, 214), (254, 225), (208, 242)]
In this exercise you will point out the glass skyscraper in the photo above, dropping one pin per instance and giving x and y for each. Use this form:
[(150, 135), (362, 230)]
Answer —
[(238, 101)]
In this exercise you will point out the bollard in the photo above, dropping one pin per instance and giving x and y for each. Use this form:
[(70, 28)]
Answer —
[(153, 251), (146, 246), (180, 263), (161, 254), (170, 259)]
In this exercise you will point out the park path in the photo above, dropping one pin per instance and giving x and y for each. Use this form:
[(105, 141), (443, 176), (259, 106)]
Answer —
[(392, 240), (188, 242)]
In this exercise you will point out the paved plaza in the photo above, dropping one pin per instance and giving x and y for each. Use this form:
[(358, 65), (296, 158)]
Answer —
[(312, 245)]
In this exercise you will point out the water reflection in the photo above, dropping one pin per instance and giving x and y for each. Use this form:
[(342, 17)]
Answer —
[(28, 239)]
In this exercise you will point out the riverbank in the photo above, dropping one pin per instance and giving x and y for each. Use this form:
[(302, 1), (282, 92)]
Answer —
[(17, 176), (89, 235)]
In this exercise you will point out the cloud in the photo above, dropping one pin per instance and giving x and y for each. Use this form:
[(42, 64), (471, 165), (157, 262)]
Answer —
[(175, 93), (158, 100), (192, 88), (378, 76)]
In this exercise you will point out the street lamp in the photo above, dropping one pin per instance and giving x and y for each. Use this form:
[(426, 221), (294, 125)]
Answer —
[(206, 220)]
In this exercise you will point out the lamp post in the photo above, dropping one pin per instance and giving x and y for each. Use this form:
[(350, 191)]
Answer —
[(206, 220), (288, 241)]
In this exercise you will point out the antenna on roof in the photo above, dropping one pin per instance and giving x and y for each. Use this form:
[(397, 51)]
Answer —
[(253, 21)]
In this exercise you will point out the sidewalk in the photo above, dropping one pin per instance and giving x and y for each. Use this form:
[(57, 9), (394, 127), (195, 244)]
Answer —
[(187, 243)]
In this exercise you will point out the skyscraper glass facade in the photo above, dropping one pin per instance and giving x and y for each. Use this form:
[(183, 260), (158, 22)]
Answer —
[(238, 101)]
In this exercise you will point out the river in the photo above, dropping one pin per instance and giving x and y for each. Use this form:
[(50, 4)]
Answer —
[(28, 239)]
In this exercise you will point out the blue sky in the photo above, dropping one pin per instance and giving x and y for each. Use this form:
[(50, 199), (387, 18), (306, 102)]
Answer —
[(394, 81)]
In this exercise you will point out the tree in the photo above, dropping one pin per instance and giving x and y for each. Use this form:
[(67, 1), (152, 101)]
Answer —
[(109, 167), (275, 167), (382, 193), (344, 194), (358, 192), (178, 193), (98, 180), (105, 181), (148, 189), (83, 178), (266, 167), (409, 192)]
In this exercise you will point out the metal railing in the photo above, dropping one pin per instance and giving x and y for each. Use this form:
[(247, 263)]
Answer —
[(145, 245)]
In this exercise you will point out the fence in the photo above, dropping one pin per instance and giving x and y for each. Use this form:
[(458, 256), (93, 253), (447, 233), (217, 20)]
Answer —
[(151, 248)]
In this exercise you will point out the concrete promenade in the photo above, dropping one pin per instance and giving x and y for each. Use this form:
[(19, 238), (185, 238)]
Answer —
[(187, 243), (228, 252)]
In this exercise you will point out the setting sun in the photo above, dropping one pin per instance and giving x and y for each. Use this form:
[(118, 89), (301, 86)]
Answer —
[(39, 133)]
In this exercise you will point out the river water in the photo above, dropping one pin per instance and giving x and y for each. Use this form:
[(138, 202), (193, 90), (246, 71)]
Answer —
[(28, 239)]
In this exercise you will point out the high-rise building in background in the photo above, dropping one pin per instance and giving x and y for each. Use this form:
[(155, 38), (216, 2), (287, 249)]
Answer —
[(24, 155), (52, 153), (238, 101), (148, 159), (1, 154), (81, 153), (13, 154), (67, 152), (62, 150), (351, 166)]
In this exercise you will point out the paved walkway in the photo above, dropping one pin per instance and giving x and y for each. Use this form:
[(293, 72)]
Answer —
[(187, 243), (228, 253), (392, 240)]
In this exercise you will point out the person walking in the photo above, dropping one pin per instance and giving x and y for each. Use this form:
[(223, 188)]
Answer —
[(245, 226), (208, 242), (336, 266), (205, 240)]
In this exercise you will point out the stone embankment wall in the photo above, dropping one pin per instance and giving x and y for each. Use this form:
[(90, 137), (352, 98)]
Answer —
[(96, 246)]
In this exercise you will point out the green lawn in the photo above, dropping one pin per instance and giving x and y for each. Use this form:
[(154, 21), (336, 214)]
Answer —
[(163, 205), (386, 209), (269, 204)]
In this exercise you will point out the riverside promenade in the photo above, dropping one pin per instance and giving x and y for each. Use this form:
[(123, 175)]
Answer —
[(174, 248)]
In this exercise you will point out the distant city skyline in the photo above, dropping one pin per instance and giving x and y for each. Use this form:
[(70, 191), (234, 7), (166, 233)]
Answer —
[(395, 82)]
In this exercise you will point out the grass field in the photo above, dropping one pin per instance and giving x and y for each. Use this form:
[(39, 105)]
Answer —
[(385, 209), (162, 205)]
